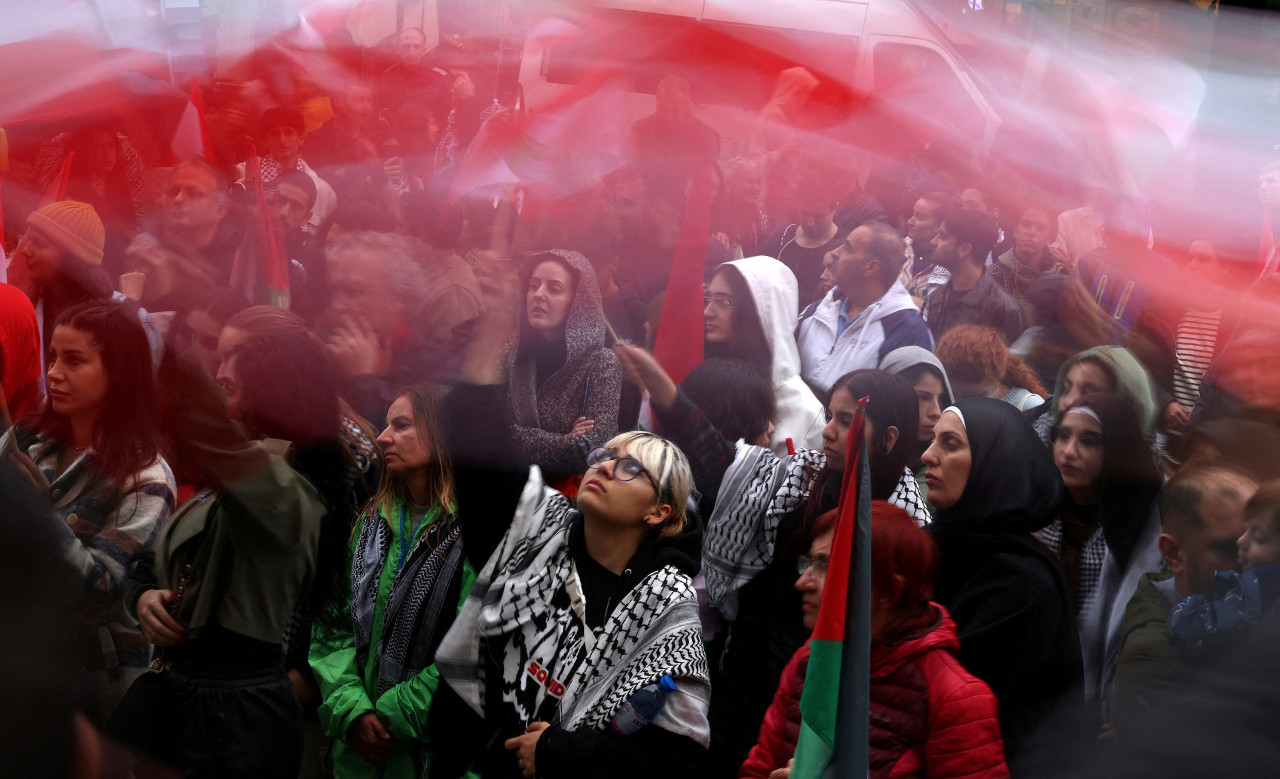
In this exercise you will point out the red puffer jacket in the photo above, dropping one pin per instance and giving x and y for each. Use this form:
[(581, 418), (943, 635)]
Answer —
[(929, 716)]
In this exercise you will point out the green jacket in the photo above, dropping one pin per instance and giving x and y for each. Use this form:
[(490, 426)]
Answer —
[(347, 691), (252, 543), (1151, 669)]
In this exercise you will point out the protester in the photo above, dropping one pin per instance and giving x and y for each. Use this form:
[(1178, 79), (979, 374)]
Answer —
[(1107, 534), (235, 560), (1202, 516), (933, 390), (979, 365), (994, 484), (92, 450), (281, 132), (1101, 369), (62, 249), (750, 316), (747, 572), (374, 329), (1240, 603), (866, 316), (913, 646), (574, 608), (564, 383), (373, 651), (970, 295), (197, 245)]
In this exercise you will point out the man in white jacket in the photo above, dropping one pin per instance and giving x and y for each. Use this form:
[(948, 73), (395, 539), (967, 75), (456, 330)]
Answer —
[(867, 315)]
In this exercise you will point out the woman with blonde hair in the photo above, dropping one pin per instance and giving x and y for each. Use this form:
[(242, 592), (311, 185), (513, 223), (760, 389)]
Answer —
[(578, 605)]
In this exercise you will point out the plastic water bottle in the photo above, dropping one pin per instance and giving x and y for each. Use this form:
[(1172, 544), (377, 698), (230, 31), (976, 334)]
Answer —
[(640, 709)]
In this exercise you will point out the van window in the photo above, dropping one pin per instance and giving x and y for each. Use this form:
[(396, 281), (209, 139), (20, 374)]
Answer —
[(918, 81), (726, 64)]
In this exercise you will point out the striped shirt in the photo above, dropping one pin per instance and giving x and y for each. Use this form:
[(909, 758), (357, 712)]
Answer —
[(1197, 334)]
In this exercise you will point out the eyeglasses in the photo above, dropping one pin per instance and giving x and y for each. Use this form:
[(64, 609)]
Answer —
[(719, 301), (624, 468), (1059, 435), (818, 568)]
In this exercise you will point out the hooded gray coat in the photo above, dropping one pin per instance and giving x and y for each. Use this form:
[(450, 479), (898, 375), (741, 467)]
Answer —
[(545, 414)]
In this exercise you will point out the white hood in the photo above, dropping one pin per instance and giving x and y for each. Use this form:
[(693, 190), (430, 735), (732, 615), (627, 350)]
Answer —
[(800, 415), (776, 294)]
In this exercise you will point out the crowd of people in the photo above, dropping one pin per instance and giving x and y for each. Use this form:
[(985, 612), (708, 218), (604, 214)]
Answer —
[(429, 505)]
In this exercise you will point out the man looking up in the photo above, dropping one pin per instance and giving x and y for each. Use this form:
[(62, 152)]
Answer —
[(1202, 515), (865, 316), (970, 296)]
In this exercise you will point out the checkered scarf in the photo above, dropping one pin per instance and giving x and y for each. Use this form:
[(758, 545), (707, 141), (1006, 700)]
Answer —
[(758, 490), (519, 611)]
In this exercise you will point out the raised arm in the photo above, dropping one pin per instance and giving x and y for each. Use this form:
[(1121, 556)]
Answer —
[(489, 468), (709, 452)]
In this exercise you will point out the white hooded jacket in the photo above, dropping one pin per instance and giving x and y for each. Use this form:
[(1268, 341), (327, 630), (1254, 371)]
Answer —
[(799, 415)]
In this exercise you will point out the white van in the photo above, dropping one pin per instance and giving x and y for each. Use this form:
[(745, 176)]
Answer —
[(732, 51)]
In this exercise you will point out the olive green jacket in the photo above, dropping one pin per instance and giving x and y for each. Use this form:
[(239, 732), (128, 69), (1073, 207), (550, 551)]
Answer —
[(252, 544)]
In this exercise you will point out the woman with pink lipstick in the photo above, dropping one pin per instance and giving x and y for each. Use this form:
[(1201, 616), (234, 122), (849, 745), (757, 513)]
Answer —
[(92, 448)]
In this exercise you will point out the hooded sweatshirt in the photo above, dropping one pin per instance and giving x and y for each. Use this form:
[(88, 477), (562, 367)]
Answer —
[(547, 393), (1005, 590), (890, 322), (1133, 385), (798, 415)]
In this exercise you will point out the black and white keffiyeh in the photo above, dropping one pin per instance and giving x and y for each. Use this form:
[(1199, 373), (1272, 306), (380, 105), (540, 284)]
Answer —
[(758, 490), (419, 594), (520, 611)]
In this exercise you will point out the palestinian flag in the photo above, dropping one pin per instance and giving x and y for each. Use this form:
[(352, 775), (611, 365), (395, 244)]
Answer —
[(835, 701), (263, 275)]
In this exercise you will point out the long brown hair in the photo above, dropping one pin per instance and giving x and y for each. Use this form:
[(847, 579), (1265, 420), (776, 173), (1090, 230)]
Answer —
[(427, 401), (124, 435)]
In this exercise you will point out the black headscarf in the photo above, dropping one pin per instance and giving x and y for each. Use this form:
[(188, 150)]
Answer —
[(1013, 486), (1014, 489), (1130, 482)]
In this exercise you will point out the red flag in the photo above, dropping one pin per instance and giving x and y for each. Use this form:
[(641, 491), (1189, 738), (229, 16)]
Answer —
[(191, 138), (267, 277), (678, 346), (4, 168), (58, 187), (1267, 242)]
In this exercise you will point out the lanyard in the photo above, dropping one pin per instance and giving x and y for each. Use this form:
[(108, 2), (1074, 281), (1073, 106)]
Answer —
[(413, 531)]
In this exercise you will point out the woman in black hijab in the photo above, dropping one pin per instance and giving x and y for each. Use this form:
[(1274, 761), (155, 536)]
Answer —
[(1107, 536), (994, 484)]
